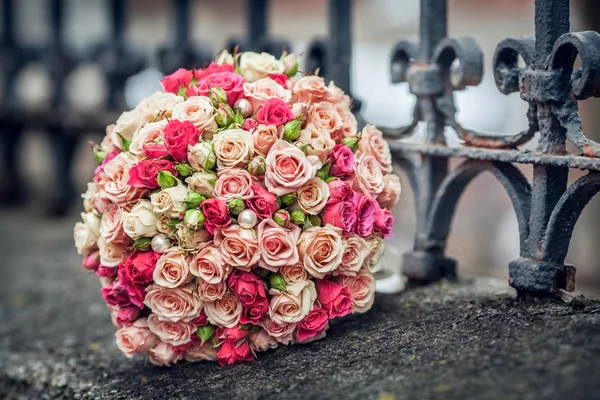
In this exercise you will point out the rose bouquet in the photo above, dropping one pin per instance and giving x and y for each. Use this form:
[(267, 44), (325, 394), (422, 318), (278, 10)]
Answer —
[(236, 211)]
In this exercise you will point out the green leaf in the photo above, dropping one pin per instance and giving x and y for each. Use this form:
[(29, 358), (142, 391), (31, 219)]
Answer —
[(206, 332), (142, 243), (323, 173)]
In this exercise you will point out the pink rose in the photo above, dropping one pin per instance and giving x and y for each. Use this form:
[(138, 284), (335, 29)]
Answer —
[(135, 338), (277, 245), (342, 161), (320, 250), (113, 183), (232, 352), (92, 261), (259, 92), (334, 298), (111, 225), (106, 272), (288, 168), (201, 352), (111, 254), (310, 89), (320, 142), (233, 183), (312, 325), (149, 141), (234, 333), (174, 333), (216, 213), (144, 173), (391, 192), (178, 136), (349, 123), (293, 273), (239, 247), (164, 355), (249, 124), (313, 196), (384, 222), (178, 79), (373, 143), (172, 269), (232, 84), (368, 176), (325, 116), (341, 214), (366, 211), (210, 291), (127, 315), (247, 287), (275, 112), (362, 290), (225, 312), (281, 79), (138, 268), (265, 137), (337, 95), (209, 265), (356, 250), (341, 190), (280, 332), (261, 341), (213, 68), (173, 304), (115, 295), (201, 320), (200, 112), (263, 202)]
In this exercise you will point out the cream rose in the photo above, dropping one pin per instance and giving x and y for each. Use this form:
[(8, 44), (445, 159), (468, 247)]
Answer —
[(320, 250), (202, 182), (211, 291), (108, 142), (158, 106), (164, 355), (173, 304), (111, 225), (114, 180), (201, 352), (337, 95), (310, 89), (373, 260), (265, 137), (254, 66), (261, 340), (233, 148), (135, 338), (264, 89), (86, 233), (111, 254), (172, 269), (164, 224), (150, 134), (225, 311), (233, 183), (325, 116), (209, 265), (373, 143), (313, 196), (277, 245), (362, 290), (294, 304), (320, 142), (238, 246), (170, 201), (349, 126), (355, 252), (174, 333), (368, 176), (391, 192), (128, 124), (191, 240), (140, 221), (199, 111), (283, 333), (89, 198), (293, 273), (287, 168)]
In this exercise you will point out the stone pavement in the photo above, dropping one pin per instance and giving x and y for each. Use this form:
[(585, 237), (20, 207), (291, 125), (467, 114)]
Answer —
[(469, 340)]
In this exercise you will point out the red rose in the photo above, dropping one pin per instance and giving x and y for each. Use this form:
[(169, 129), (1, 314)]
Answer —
[(280, 78), (178, 136), (155, 150), (138, 268), (275, 112), (231, 334), (230, 353), (144, 173), (106, 272), (339, 189), (253, 313), (342, 161), (334, 298), (136, 293), (126, 315), (229, 82), (201, 320), (216, 213), (366, 213), (249, 124), (341, 214), (312, 325), (246, 286), (178, 79), (384, 222), (115, 295), (182, 348), (263, 202)]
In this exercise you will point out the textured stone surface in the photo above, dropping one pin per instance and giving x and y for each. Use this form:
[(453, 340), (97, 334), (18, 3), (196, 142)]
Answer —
[(470, 340)]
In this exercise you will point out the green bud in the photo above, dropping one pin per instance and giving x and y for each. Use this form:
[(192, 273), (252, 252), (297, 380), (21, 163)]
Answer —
[(184, 169), (291, 130), (217, 96), (323, 173), (194, 219), (288, 199), (277, 282), (126, 143), (142, 244), (291, 64), (281, 217), (351, 142), (315, 220), (193, 199), (297, 217), (302, 146), (182, 92), (238, 118), (278, 201), (99, 155), (236, 206), (307, 223), (204, 155), (206, 332), (224, 116), (173, 222), (246, 327), (330, 179), (166, 179), (257, 166)]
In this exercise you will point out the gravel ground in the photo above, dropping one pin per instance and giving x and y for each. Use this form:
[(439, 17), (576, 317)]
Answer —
[(465, 340)]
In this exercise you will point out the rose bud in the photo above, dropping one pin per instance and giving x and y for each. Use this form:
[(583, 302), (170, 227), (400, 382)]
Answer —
[(166, 179), (217, 96), (194, 219), (202, 156), (282, 217), (99, 155), (315, 220), (193, 199), (224, 116), (290, 63), (236, 206), (288, 199), (256, 166), (184, 169), (92, 262), (291, 130), (205, 332), (351, 142), (142, 244), (224, 57), (297, 217), (277, 282)]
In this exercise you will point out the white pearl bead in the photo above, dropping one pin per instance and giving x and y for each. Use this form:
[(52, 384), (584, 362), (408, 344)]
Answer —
[(244, 106), (160, 243), (247, 219)]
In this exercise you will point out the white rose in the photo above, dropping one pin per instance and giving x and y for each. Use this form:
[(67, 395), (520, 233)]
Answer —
[(111, 254), (233, 148), (150, 133), (202, 182), (170, 201), (158, 106), (129, 123), (254, 66), (201, 156), (198, 110), (224, 57), (294, 304), (372, 262), (86, 233), (88, 198), (140, 221)]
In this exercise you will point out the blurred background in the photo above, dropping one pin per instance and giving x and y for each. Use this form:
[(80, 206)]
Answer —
[(67, 68)]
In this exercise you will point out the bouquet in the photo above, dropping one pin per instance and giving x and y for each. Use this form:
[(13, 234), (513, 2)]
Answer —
[(236, 211)]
